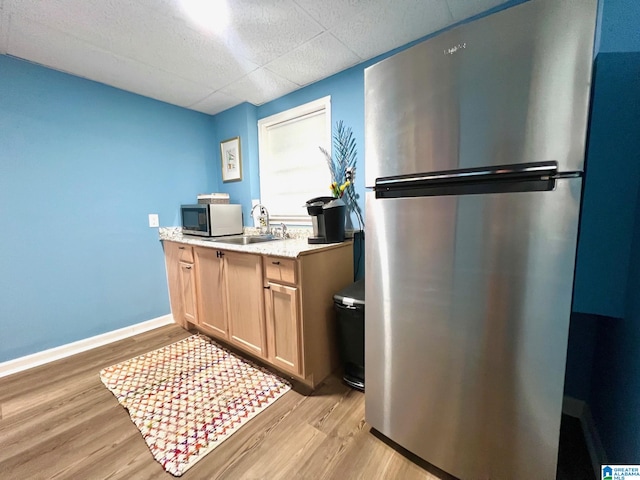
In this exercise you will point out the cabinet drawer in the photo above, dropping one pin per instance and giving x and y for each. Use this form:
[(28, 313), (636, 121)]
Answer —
[(280, 269), (185, 253)]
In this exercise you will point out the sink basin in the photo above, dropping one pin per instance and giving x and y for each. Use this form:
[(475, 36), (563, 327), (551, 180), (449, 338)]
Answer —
[(246, 239)]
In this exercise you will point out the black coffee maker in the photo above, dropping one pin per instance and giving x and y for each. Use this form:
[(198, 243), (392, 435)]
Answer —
[(327, 217)]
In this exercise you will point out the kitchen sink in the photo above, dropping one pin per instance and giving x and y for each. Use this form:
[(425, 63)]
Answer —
[(245, 239)]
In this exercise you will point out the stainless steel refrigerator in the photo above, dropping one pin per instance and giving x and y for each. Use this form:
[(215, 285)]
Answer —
[(475, 145)]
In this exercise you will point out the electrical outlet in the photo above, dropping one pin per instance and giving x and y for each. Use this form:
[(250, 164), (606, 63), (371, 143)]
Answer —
[(153, 220)]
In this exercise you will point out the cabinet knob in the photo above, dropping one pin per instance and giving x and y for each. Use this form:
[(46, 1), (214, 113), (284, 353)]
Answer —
[(276, 263), (180, 248), (267, 287), (188, 267)]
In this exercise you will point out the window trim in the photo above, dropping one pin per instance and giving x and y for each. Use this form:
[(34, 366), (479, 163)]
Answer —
[(292, 114)]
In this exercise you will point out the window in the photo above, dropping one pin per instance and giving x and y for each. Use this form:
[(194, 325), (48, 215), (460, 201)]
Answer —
[(292, 167)]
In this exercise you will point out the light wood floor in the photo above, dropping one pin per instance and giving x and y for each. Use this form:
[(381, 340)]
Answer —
[(59, 421)]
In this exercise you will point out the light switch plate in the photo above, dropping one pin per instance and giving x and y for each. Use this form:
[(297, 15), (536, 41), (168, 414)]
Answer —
[(153, 220)]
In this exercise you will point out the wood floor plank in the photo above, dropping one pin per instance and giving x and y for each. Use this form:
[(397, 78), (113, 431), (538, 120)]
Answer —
[(90, 362), (250, 437), (58, 421), (31, 428)]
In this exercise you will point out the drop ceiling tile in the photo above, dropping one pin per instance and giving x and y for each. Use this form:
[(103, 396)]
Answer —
[(328, 13), (151, 47), (376, 31), (260, 86), (197, 57), (133, 31), (41, 44), (317, 59), (4, 26), (215, 103), (463, 9), (263, 31), (84, 19)]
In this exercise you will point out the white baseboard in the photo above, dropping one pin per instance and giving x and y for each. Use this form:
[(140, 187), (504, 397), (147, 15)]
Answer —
[(580, 409), (29, 361)]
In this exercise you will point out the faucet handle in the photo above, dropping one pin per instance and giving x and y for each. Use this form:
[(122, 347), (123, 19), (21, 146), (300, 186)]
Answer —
[(280, 231)]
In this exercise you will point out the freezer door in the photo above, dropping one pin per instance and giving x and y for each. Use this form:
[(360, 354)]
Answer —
[(509, 88), (466, 322)]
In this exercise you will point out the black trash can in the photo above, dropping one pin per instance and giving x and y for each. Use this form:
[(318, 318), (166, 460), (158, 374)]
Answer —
[(349, 306)]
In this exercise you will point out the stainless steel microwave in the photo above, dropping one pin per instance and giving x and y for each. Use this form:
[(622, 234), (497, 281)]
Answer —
[(211, 220)]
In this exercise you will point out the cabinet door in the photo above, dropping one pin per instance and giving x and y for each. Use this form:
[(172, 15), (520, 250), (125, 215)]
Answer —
[(172, 259), (188, 292), (283, 327), (210, 289), (245, 301)]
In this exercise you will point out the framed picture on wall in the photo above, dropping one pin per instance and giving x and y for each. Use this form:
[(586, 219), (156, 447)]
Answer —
[(231, 160)]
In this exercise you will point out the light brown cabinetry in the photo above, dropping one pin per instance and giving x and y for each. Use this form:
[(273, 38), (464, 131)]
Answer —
[(181, 279), (188, 292), (283, 327), (245, 303), (278, 309), (211, 292), (281, 270), (300, 318)]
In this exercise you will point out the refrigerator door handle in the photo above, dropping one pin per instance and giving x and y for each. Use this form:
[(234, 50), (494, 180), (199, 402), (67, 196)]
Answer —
[(469, 174), (538, 176)]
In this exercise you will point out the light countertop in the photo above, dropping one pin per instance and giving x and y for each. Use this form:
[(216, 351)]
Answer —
[(290, 247)]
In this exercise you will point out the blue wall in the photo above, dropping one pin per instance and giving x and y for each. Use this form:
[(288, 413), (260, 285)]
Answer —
[(624, 439), (612, 178), (583, 335), (347, 104), (615, 395), (240, 121), (610, 188), (620, 26), (606, 346), (615, 383), (81, 166)]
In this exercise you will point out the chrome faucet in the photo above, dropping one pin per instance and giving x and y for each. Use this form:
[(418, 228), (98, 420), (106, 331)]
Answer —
[(281, 231), (263, 218)]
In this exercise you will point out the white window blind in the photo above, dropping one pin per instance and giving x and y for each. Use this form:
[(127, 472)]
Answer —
[(292, 168)]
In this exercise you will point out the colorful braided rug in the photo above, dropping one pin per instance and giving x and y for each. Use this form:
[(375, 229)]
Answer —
[(189, 397)]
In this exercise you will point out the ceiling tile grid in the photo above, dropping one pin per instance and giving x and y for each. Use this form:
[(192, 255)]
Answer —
[(314, 60), (263, 31), (330, 13), (260, 86), (376, 31), (216, 102)]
